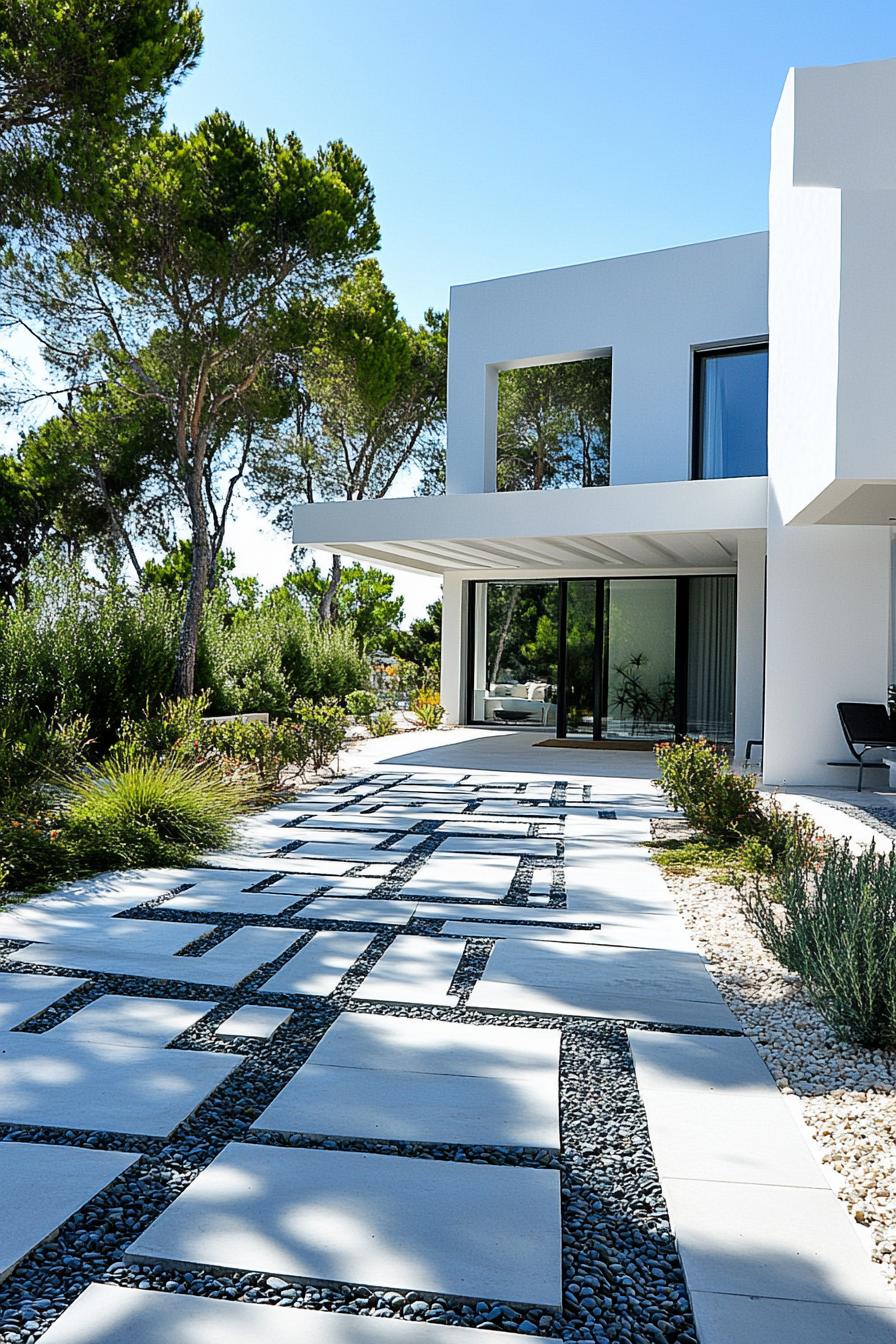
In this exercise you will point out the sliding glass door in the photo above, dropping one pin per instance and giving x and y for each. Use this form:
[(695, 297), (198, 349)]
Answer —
[(622, 660), (639, 656)]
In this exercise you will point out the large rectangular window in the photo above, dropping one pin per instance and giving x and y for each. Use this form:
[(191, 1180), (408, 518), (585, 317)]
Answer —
[(731, 413), (633, 660), (514, 648), (554, 425)]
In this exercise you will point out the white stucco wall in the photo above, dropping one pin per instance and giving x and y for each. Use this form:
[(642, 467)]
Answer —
[(650, 311), (832, 286), (832, 407)]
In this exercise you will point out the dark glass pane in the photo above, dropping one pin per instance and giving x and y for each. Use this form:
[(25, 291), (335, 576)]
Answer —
[(640, 654), (554, 425), (712, 620), (515, 652), (581, 600), (734, 414)]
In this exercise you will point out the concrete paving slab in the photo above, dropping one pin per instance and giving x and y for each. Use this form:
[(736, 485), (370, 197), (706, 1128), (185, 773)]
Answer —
[(621, 830), (23, 995), (330, 849), (345, 1217), (421, 1045), (665, 933), (382, 820), (725, 1318), (543, 932), (614, 879), (357, 910), (319, 964), (502, 913), (340, 836), (771, 1241), (201, 899), (486, 846), (493, 996), (229, 962), (730, 1137), (115, 1019), (482, 823), (485, 877), (405, 843), (90, 1085), (715, 1113), (43, 1184), (285, 863), (675, 975), (299, 885), (416, 1107), (255, 1021), (698, 1065), (107, 1314), (414, 969), (118, 934), (425, 1081)]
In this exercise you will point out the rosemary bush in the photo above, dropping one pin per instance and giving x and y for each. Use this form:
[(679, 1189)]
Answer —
[(831, 918)]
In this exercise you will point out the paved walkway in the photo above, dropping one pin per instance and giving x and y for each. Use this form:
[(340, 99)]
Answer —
[(429, 1051)]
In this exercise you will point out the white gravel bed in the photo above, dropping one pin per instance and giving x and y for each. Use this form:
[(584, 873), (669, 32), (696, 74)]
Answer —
[(847, 1094)]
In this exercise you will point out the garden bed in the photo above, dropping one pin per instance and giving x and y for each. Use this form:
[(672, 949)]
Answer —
[(846, 1093)]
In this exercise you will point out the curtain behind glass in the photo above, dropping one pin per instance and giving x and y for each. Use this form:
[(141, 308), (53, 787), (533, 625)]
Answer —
[(734, 414), (712, 619)]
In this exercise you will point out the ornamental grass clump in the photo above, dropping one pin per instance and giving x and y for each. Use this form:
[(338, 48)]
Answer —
[(831, 918), (133, 810)]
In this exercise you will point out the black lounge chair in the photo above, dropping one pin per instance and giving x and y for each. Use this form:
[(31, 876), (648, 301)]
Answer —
[(866, 728)]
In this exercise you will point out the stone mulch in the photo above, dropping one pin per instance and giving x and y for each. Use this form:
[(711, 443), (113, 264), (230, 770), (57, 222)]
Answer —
[(846, 1093)]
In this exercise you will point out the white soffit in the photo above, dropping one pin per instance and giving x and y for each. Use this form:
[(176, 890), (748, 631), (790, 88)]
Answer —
[(671, 525)]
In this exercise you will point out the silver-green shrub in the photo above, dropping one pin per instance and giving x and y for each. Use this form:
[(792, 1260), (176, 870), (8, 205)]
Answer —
[(830, 916)]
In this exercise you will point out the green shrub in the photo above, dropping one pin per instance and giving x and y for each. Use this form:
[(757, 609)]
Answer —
[(34, 852), (428, 709), (137, 811), (831, 918), (174, 730), (265, 748), (324, 724), (261, 660), (382, 724), (32, 751), (71, 646), (362, 705), (697, 779)]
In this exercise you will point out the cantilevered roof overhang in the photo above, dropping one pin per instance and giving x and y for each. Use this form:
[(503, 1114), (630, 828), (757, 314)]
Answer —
[(665, 525)]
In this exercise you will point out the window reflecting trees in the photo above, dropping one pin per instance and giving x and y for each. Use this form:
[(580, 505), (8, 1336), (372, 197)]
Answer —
[(554, 425)]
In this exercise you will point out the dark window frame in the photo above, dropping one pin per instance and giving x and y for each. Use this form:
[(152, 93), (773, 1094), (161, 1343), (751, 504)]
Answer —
[(601, 668), (700, 356)]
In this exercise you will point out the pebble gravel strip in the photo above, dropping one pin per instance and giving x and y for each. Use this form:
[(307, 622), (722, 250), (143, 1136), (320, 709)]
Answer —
[(846, 1093)]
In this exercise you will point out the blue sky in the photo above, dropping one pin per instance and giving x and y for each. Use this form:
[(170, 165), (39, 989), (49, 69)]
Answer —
[(511, 135)]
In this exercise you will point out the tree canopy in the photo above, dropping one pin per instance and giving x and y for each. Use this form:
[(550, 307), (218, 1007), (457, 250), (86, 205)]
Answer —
[(200, 272), (76, 75)]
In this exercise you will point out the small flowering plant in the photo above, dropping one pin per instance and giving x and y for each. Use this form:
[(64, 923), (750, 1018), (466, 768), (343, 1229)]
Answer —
[(427, 709)]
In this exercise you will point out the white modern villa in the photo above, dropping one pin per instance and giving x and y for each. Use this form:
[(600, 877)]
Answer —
[(713, 554)]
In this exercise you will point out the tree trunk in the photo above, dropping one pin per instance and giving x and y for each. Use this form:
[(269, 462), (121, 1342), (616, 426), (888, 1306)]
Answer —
[(327, 608), (185, 669), (505, 631)]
